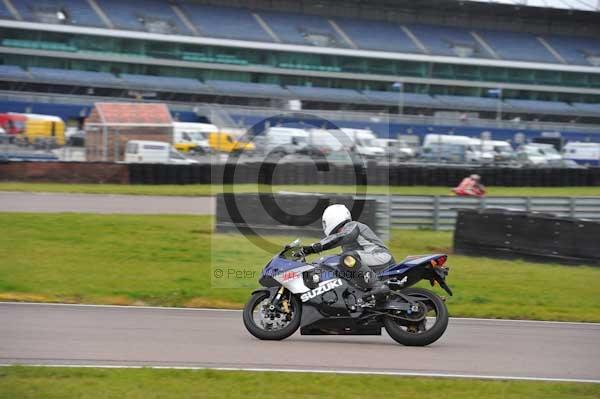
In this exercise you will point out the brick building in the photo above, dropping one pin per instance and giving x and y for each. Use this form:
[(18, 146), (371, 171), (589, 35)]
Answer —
[(111, 125)]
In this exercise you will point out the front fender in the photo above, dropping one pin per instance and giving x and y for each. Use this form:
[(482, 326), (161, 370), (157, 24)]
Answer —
[(270, 290)]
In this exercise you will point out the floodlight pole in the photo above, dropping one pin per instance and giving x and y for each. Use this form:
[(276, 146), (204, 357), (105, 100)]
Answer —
[(499, 106), (104, 143), (401, 101), (400, 87)]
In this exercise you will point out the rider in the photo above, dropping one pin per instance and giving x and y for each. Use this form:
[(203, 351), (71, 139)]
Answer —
[(470, 186), (355, 238)]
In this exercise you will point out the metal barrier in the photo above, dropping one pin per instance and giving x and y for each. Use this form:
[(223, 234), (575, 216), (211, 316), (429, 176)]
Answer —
[(439, 212)]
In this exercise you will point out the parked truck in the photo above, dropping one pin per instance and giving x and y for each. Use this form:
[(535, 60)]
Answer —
[(13, 125), (192, 137), (583, 153), (39, 130), (227, 142)]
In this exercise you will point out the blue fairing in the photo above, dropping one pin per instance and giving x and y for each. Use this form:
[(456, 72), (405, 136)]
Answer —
[(331, 261), (280, 265), (407, 264)]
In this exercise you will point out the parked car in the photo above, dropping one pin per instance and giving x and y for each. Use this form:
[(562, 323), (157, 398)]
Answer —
[(5, 138), (565, 164)]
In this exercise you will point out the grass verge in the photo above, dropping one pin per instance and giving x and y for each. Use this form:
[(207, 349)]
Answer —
[(208, 189), (168, 261), (66, 383)]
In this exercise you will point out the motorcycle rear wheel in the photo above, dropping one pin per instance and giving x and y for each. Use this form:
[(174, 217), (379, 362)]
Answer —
[(266, 334), (417, 334)]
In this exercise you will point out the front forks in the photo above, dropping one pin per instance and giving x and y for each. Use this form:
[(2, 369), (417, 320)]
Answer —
[(277, 298)]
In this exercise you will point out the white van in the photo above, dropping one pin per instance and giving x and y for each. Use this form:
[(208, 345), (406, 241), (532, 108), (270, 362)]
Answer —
[(365, 142), (531, 156), (284, 140), (396, 149), (328, 141), (502, 150), (142, 151), (474, 152), (548, 151), (192, 136), (583, 153)]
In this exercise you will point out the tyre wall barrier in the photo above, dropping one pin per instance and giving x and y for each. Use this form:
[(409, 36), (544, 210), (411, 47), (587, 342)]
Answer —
[(64, 172), (291, 173), (537, 236), (347, 174)]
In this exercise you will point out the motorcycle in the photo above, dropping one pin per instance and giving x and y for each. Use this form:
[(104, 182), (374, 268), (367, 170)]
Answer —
[(336, 295)]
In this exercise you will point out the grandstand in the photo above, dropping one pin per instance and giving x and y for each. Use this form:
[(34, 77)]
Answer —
[(505, 61)]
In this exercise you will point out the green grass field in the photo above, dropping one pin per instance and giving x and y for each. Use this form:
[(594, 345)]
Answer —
[(207, 189), (64, 383), (168, 260)]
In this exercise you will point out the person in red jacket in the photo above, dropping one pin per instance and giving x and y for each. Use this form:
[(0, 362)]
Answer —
[(470, 186)]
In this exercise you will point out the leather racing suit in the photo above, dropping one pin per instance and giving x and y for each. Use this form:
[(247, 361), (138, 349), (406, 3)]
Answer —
[(359, 238)]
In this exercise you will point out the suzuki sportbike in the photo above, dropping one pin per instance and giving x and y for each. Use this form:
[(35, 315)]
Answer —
[(339, 295)]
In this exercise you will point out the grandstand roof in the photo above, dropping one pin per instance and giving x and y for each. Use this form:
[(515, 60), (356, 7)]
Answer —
[(522, 7), (581, 5)]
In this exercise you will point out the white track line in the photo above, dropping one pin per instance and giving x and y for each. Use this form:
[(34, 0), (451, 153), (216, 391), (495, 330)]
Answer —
[(319, 371), (238, 310)]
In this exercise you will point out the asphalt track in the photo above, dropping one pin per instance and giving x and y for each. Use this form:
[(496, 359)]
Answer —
[(105, 203), (111, 336)]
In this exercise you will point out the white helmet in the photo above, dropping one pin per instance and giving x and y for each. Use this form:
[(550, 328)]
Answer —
[(334, 216)]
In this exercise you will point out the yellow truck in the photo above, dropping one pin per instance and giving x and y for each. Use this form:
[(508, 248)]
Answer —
[(43, 130), (227, 142), (192, 137)]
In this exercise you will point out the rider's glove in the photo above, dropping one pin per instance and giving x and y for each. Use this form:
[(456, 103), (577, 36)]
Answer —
[(312, 249)]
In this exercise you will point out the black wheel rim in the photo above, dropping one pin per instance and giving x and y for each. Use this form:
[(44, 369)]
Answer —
[(425, 318)]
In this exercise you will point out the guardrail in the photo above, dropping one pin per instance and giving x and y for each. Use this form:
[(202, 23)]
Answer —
[(439, 212)]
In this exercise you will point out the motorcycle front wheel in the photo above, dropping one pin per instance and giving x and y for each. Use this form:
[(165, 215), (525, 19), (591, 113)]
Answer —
[(430, 326), (272, 324)]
